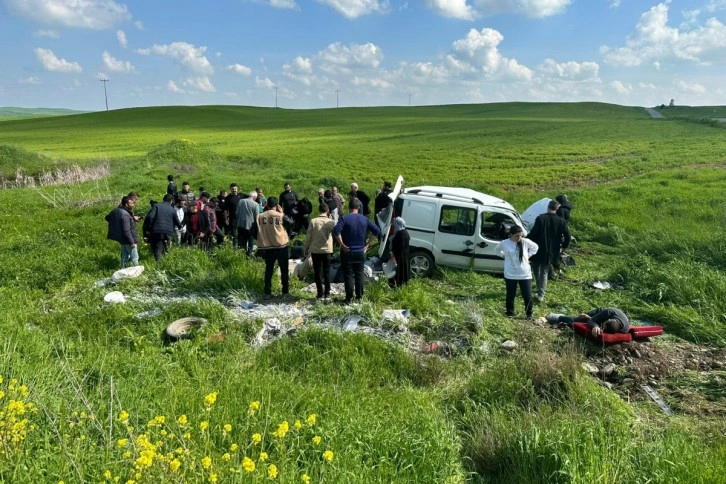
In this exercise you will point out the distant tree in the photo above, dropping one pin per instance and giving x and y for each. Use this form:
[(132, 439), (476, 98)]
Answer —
[(672, 103)]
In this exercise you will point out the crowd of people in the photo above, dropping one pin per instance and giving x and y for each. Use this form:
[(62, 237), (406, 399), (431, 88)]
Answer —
[(264, 226)]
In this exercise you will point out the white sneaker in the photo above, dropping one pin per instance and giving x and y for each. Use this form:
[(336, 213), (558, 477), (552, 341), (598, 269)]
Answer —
[(553, 318)]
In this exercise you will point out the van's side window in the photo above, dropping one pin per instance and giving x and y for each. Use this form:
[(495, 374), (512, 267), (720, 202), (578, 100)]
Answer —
[(457, 220), (495, 225)]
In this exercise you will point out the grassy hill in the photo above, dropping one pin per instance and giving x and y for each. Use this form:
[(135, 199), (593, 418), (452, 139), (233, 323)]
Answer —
[(90, 392), (7, 113)]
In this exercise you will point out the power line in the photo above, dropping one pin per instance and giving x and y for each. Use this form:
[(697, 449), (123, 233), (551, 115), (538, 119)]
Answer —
[(105, 95)]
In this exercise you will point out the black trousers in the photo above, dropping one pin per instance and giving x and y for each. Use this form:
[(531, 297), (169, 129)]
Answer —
[(353, 264), (321, 263), (245, 240), (525, 285), (281, 256), (159, 244)]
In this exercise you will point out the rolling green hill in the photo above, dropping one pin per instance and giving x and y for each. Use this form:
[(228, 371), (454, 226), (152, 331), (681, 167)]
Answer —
[(90, 392), (7, 113)]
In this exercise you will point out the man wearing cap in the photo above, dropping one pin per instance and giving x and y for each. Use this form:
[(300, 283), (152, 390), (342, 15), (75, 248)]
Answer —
[(351, 233), (552, 235)]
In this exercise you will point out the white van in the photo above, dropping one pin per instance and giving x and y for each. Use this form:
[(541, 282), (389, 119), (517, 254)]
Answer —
[(455, 227)]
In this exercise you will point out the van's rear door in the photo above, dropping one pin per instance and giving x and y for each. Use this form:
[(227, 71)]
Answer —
[(385, 218)]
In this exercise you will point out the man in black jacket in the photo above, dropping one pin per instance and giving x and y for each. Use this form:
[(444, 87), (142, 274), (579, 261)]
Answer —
[(162, 220), (230, 208), (364, 199), (551, 234), (122, 229)]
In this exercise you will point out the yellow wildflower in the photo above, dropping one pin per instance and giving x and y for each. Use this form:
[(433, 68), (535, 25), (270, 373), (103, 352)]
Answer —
[(233, 448), (213, 478), (182, 420), (305, 478), (203, 425), (227, 428), (272, 471), (210, 400), (254, 407), (256, 438), (317, 439), (2, 394), (121, 443), (226, 456), (263, 456), (248, 465), (312, 418), (187, 435), (163, 433), (126, 455), (107, 474), (206, 462), (297, 425), (174, 465), (328, 455), (123, 417), (282, 430)]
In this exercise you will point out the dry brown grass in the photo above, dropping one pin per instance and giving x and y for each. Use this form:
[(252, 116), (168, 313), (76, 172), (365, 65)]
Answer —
[(70, 175)]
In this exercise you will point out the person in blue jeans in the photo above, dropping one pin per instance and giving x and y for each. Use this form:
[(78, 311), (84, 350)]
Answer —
[(351, 232), (516, 251)]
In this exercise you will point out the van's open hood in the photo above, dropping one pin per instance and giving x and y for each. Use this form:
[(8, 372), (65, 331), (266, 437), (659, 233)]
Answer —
[(537, 208)]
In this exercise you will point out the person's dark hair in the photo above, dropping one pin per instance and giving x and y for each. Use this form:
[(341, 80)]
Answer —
[(514, 230), (170, 177), (185, 183), (205, 195), (178, 200), (553, 205), (153, 202), (387, 184), (233, 185), (214, 201), (323, 208), (124, 201), (611, 326), (168, 198), (562, 198), (354, 204), (271, 202), (133, 195), (327, 194)]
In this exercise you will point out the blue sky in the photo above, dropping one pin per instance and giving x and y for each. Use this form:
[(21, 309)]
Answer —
[(319, 53)]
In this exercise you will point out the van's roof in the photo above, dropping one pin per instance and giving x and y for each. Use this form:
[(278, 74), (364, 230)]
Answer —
[(461, 194)]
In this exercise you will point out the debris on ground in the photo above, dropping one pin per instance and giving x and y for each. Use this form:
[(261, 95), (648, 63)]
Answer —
[(396, 314), (114, 297), (336, 288), (149, 313), (182, 328), (509, 345), (601, 285)]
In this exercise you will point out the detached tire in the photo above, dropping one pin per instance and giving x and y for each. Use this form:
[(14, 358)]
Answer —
[(422, 263), (182, 328)]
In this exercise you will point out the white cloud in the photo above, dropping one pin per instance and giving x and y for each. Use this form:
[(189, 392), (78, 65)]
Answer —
[(53, 34), (474, 9), (345, 58), (53, 63), (694, 88), (115, 65), (171, 85), (576, 71), (121, 36), (30, 80), (139, 25), (654, 41), (301, 70), (89, 14), (356, 8), (285, 4), (188, 55), (479, 50), (240, 69), (620, 88), (200, 83), (264, 82)]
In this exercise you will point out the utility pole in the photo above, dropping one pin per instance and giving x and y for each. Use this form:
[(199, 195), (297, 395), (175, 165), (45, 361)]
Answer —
[(105, 95), (276, 96), (336, 98)]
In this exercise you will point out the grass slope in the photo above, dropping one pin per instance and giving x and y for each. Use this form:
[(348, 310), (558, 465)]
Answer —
[(648, 215)]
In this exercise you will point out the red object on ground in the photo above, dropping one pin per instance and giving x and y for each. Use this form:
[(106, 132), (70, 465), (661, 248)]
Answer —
[(645, 331), (607, 338)]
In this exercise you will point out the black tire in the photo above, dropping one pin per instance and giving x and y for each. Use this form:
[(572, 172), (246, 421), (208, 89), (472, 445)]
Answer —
[(422, 263)]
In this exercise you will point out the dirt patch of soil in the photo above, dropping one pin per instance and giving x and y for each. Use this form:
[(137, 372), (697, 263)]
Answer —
[(690, 378)]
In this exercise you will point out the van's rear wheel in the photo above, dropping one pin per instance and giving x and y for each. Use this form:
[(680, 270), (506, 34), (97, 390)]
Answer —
[(422, 263)]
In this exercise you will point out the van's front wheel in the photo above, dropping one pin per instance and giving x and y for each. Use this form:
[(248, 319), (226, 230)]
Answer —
[(422, 263)]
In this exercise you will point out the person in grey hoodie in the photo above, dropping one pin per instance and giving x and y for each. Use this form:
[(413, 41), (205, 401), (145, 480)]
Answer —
[(246, 213)]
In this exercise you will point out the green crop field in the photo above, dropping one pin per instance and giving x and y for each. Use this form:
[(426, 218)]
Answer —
[(89, 392)]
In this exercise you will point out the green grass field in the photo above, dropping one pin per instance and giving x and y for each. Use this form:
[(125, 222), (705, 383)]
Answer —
[(90, 393)]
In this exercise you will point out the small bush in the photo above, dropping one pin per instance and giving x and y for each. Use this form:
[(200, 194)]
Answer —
[(183, 151)]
